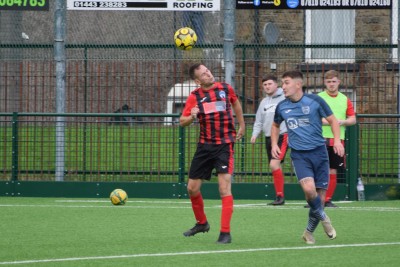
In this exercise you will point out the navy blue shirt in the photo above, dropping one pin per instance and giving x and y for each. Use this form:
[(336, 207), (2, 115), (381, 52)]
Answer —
[(303, 120)]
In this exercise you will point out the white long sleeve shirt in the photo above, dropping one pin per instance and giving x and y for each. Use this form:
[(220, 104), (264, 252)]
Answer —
[(265, 114)]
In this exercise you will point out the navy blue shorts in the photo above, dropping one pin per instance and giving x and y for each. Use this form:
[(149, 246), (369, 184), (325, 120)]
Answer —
[(209, 157), (312, 163)]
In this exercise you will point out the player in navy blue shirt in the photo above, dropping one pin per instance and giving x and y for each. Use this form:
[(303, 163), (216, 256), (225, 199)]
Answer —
[(303, 115)]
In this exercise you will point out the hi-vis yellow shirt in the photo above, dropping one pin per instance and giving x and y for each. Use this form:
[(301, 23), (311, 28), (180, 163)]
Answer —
[(338, 105)]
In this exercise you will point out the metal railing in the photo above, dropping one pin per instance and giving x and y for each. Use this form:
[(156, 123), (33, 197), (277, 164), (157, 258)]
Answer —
[(151, 148), (113, 147)]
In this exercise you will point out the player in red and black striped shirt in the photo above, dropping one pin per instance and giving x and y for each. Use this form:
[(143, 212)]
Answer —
[(212, 105)]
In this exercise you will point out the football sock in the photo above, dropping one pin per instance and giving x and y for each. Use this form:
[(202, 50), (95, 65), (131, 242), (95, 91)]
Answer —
[(331, 187), (316, 208), (313, 221), (198, 208), (278, 182), (226, 214)]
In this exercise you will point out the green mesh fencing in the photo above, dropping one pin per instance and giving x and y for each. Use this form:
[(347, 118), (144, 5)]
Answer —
[(115, 148)]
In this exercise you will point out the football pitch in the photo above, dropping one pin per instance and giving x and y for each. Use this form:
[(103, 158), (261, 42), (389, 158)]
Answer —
[(148, 232)]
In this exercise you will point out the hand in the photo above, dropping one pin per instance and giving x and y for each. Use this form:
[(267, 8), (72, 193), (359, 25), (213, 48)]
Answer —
[(339, 149), (275, 152), (253, 139), (194, 111), (240, 133)]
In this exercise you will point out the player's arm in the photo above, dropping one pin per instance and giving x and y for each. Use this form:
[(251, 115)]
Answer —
[(350, 115), (351, 120), (187, 120), (348, 121), (258, 124), (275, 150), (337, 145), (237, 108), (189, 113)]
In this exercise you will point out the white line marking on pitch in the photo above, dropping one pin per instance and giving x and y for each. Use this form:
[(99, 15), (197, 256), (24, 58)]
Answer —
[(175, 202), (197, 253), (132, 205), (132, 201), (96, 207)]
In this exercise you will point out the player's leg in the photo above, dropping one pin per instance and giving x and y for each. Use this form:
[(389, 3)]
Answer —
[(316, 213), (312, 197), (196, 199), (307, 166), (224, 181), (314, 202), (331, 188), (276, 169), (279, 181), (201, 169), (303, 169), (321, 179), (224, 165), (335, 162)]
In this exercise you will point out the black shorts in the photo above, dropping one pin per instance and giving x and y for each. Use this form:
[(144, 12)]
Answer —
[(335, 161), (282, 143), (208, 157)]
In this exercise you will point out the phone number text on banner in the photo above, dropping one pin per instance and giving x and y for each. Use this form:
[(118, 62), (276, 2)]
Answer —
[(166, 5)]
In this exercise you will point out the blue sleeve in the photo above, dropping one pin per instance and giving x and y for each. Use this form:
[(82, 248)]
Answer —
[(277, 117), (324, 109)]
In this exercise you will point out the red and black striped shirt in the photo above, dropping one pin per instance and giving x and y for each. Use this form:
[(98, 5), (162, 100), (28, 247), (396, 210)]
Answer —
[(217, 124)]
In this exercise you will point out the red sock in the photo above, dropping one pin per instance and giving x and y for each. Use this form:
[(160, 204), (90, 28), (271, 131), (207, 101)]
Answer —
[(279, 181), (331, 187), (198, 208), (226, 214)]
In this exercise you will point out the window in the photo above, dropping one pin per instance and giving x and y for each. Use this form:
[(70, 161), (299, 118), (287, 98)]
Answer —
[(330, 27)]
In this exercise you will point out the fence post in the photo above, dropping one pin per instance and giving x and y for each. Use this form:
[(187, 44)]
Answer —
[(229, 42), (181, 172), (14, 157), (85, 111), (352, 160), (60, 60), (243, 75)]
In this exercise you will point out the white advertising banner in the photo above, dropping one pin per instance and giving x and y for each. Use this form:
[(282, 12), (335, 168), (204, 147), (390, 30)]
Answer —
[(167, 5)]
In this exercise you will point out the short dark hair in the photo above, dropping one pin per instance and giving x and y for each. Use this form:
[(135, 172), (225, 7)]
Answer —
[(270, 77), (294, 74), (192, 69)]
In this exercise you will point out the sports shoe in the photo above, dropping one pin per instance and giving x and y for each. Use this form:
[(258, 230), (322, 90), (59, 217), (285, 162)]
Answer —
[(308, 237), (329, 204), (278, 201), (198, 228), (328, 228), (224, 238)]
